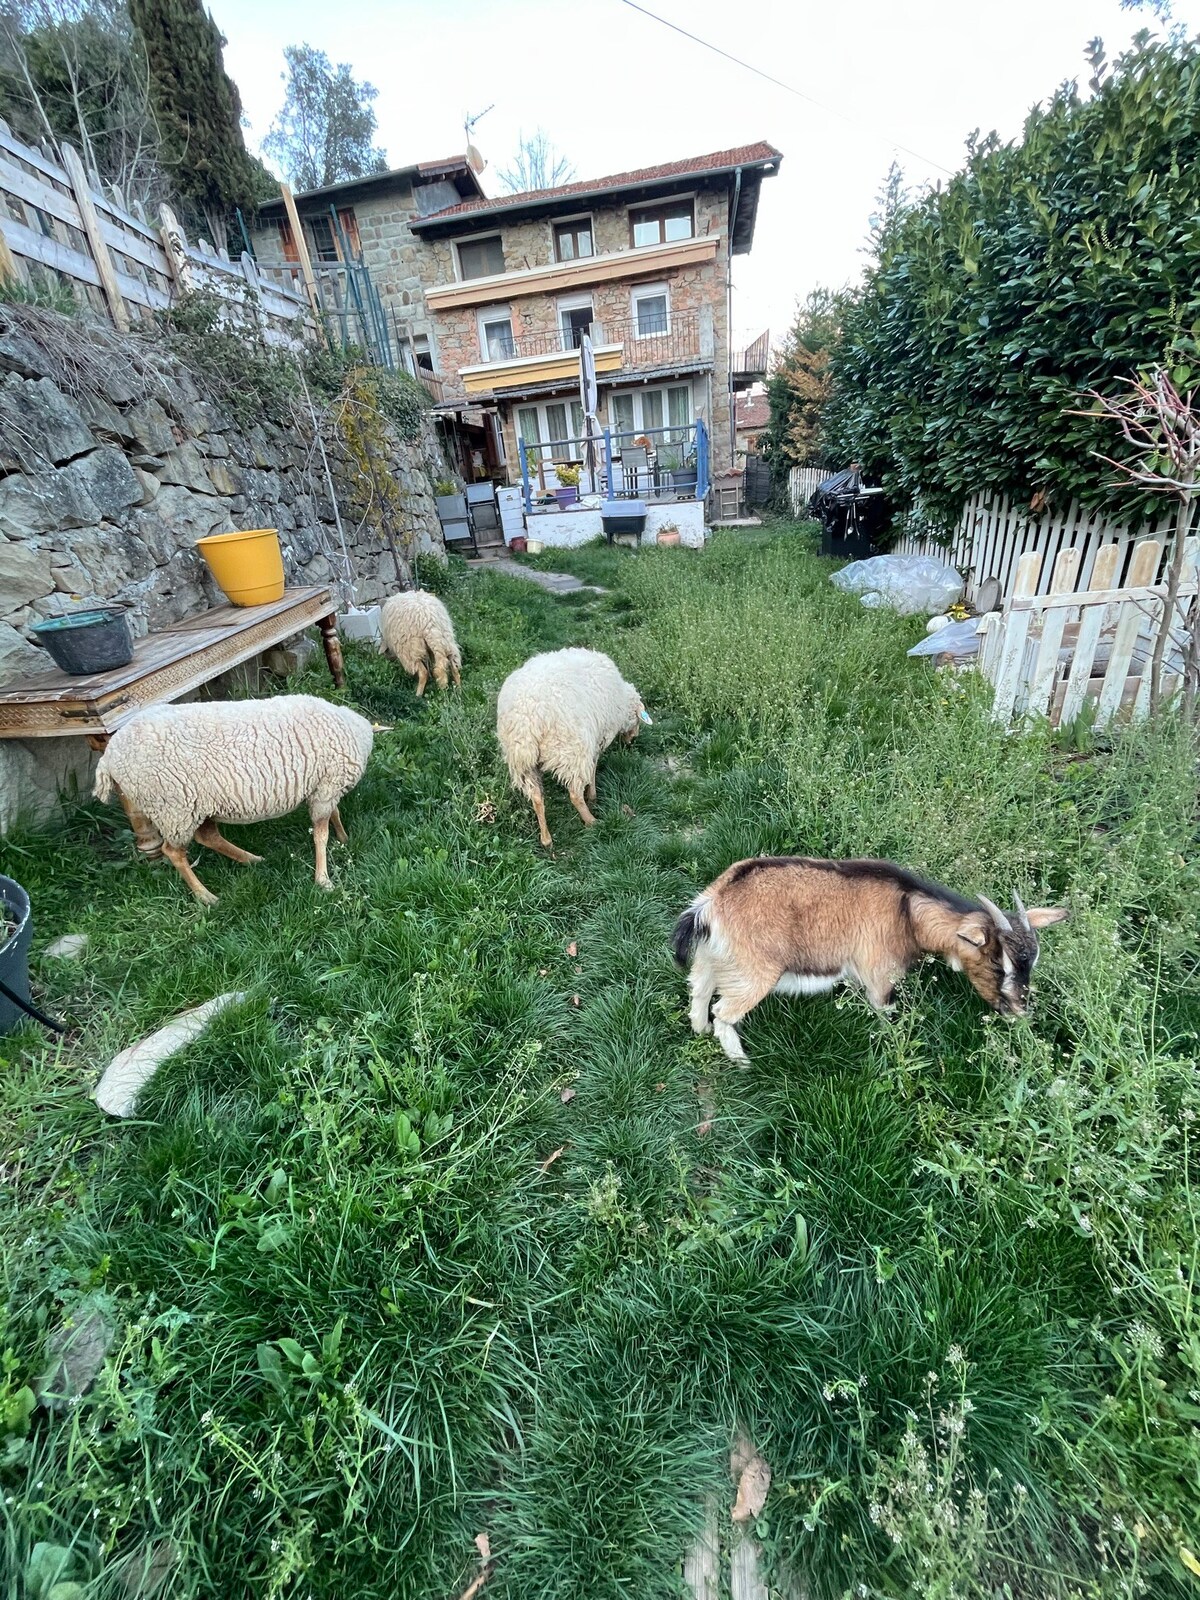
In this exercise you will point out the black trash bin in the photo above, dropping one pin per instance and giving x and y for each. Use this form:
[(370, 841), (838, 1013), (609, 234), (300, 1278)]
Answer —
[(16, 931), (851, 515)]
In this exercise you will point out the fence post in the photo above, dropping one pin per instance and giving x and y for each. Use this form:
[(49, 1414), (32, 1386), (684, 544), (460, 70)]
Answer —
[(175, 245), (701, 460), (306, 271), (524, 459), (95, 237), (608, 477)]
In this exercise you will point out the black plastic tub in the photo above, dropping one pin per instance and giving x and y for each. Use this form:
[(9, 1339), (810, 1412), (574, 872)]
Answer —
[(86, 641), (623, 516), (16, 932)]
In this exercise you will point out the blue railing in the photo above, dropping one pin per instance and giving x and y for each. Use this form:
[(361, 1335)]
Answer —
[(677, 463)]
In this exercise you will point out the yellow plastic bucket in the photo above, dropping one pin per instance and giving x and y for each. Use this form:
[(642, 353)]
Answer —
[(248, 566)]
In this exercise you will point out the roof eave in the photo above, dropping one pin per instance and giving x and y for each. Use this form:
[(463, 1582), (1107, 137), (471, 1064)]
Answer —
[(762, 166), (426, 170)]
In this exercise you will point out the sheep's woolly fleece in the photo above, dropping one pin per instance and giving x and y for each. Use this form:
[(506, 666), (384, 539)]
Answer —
[(559, 712), (417, 630), (235, 760)]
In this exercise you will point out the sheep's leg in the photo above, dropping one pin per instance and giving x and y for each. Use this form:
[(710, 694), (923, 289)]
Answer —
[(177, 856), (146, 835), (455, 673), (735, 1003), (209, 834), (589, 794), (580, 805), (440, 676), (532, 786), (320, 845), (335, 817), (422, 678)]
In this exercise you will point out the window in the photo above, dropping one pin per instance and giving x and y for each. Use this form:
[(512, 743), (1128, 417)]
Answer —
[(480, 258), (496, 342), (422, 353), (326, 240), (556, 424), (662, 224), (663, 414), (651, 311), (575, 319), (546, 425), (573, 240)]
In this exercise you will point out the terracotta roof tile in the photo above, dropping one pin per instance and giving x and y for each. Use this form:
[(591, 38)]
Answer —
[(753, 411), (740, 155)]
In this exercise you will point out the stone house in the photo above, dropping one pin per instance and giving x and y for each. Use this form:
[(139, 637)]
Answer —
[(642, 260), (753, 413)]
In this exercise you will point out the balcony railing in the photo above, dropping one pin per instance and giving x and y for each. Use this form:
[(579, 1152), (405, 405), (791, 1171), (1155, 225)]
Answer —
[(645, 341), (658, 464), (752, 361)]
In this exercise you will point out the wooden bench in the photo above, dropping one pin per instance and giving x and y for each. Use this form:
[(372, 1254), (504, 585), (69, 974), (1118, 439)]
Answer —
[(165, 666)]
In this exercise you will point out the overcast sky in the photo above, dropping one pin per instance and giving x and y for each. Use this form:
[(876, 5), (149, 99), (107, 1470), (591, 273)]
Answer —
[(614, 90)]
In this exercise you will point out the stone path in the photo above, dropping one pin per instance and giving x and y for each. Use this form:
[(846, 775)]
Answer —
[(555, 582)]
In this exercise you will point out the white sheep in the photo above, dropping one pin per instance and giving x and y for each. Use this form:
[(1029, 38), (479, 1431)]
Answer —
[(179, 770), (559, 713), (417, 630)]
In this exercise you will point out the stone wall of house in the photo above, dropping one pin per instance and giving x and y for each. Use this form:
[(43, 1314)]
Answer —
[(700, 289), (105, 489)]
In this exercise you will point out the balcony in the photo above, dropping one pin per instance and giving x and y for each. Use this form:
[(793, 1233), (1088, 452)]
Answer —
[(635, 345), (749, 366), (557, 276)]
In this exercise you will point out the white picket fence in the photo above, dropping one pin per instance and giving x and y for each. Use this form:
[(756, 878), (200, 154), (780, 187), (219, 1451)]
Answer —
[(802, 483), (53, 221), (1064, 640), (994, 535)]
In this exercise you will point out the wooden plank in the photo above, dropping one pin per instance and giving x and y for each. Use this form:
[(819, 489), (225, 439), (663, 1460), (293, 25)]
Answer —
[(702, 1564), (1091, 621), (146, 252), (164, 667), (1143, 569), (26, 153), (306, 270), (95, 238), (1045, 670), (35, 246), (1049, 602), (8, 265), (45, 197), (1016, 632)]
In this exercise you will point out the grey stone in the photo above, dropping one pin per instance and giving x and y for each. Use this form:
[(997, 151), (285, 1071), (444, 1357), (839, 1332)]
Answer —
[(106, 477), (18, 658), (224, 477), (38, 425), (25, 573), (214, 444), (35, 772), (150, 425), (18, 353), (118, 387), (108, 558), (292, 656), (150, 484), (76, 1354), (103, 418), (185, 465)]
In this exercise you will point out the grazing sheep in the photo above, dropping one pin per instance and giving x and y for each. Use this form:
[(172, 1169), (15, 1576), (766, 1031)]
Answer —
[(559, 713), (792, 925), (417, 630), (181, 769)]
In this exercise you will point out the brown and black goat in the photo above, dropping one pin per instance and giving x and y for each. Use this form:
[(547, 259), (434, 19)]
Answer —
[(793, 925)]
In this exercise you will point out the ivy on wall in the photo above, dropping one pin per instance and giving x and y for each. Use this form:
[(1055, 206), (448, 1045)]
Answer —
[(1062, 263)]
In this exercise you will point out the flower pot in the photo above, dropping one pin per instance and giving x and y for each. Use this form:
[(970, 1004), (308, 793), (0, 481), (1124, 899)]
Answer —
[(566, 496), (535, 547), (86, 641), (517, 544), (247, 566), (668, 538), (16, 932)]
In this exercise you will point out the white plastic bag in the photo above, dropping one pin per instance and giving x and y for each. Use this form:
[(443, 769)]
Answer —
[(957, 639), (910, 585)]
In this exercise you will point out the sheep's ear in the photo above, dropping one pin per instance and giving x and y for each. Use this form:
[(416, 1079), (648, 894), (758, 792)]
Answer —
[(1045, 916), (973, 930)]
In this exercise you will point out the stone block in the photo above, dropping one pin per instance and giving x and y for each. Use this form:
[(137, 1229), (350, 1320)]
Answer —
[(107, 480), (45, 504), (25, 573), (19, 354), (224, 476), (38, 425), (185, 466), (214, 444), (292, 656), (35, 772), (18, 658), (149, 483), (151, 427)]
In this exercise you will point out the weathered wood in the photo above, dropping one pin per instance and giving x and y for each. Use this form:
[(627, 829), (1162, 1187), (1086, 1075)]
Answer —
[(35, 191), (702, 1564), (175, 247), (306, 269), (8, 266), (1091, 621), (1016, 631), (95, 237), (1045, 671), (1143, 568), (333, 649), (165, 666)]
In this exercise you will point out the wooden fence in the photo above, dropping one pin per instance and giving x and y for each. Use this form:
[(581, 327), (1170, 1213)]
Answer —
[(802, 483), (993, 537), (55, 224), (1063, 641)]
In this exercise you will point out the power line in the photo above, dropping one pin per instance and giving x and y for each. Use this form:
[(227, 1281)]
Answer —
[(779, 83)]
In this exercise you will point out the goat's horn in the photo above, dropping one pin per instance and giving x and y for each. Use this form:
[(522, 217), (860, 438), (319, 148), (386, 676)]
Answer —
[(1022, 913), (996, 914)]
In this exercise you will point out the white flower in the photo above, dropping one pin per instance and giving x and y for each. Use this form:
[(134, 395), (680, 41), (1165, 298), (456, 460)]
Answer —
[(955, 1355)]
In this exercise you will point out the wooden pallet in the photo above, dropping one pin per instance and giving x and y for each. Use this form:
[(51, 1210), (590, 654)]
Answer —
[(165, 666)]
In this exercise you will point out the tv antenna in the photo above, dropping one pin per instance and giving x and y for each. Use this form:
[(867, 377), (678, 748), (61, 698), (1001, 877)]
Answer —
[(474, 160)]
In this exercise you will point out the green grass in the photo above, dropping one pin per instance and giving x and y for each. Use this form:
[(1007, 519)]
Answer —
[(941, 1268)]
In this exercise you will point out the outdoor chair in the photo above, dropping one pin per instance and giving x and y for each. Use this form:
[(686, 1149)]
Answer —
[(635, 466), (459, 532)]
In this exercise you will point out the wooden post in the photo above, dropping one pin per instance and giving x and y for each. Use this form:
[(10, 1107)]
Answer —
[(95, 238), (306, 270), (175, 244), (8, 266), (333, 650)]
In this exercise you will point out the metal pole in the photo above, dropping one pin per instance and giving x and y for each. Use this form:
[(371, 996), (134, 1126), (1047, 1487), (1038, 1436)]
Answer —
[(524, 457)]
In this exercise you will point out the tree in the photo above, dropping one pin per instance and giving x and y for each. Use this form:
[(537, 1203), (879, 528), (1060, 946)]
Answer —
[(799, 385), (199, 112), (536, 165), (323, 133), (74, 71)]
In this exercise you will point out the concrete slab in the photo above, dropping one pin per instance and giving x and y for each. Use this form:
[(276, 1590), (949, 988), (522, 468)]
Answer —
[(553, 582)]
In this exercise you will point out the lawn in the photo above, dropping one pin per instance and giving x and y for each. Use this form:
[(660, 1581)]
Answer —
[(453, 1227)]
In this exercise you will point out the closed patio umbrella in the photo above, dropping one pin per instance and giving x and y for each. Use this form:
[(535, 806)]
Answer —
[(589, 399)]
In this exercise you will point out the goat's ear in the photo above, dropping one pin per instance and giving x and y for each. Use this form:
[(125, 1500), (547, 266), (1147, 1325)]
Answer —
[(1044, 916), (973, 929)]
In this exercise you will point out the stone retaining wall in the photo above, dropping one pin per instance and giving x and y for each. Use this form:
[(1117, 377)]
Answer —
[(103, 494)]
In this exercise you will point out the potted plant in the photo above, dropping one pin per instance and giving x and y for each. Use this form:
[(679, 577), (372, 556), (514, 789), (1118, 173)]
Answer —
[(568, 491), (667, 534), (451, 506)]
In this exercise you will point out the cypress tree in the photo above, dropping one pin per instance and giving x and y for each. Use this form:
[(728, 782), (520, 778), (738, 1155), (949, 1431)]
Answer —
[(199, 112)]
